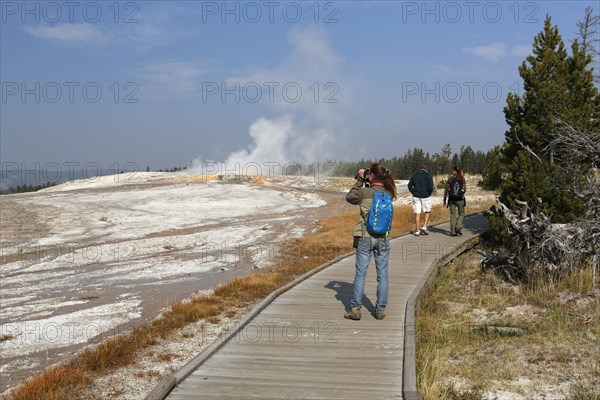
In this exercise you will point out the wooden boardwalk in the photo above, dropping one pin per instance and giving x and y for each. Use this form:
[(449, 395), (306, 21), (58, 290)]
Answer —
[(300, 346)]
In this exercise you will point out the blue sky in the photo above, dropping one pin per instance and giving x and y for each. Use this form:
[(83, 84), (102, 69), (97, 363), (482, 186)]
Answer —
[(163, 83)]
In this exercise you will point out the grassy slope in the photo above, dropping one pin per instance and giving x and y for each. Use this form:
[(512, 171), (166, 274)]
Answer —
[(478, 335)]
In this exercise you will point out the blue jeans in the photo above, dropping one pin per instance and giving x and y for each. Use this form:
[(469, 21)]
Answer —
[(380, 247)]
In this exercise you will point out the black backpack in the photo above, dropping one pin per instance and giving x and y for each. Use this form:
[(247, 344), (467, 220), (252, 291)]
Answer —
[(456, 191)]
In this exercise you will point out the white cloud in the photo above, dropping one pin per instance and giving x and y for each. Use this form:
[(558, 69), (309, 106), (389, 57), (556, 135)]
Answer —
[(497, 51), (313, 66), (312, 54), (170, 79), (442, 69), (157, 26), (153, 26), (520, 51), (493, 52), (71, 34), (310, 61)]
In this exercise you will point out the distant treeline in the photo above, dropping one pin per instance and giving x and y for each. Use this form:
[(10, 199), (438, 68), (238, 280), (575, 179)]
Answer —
[(473, 162), (174, 169), (26, 188)]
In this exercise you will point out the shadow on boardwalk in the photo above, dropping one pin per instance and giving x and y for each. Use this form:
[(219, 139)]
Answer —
[(343, 293)]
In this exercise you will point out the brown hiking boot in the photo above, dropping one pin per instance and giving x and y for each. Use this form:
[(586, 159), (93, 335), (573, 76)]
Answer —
[(380, 314), (353, 313)]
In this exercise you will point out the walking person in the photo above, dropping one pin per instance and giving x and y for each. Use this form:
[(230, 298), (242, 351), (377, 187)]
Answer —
[(454, 198), (421, 187), (366, 243)]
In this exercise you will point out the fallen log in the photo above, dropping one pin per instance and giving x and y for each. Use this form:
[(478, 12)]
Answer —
[(537, 244)]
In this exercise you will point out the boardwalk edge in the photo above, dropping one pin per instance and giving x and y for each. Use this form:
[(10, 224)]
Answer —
[(409, 379), (168, 383)]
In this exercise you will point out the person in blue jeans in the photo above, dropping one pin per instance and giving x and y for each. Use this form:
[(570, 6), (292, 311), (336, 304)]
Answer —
[(378, 179)]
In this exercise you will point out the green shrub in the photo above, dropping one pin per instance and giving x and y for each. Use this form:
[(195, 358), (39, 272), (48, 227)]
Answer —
[(497, 233)]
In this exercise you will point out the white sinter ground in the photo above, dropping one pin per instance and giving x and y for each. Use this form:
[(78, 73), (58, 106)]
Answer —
[(112, 249)]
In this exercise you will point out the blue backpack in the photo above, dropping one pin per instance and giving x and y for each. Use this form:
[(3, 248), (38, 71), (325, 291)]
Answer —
[(381, 213)]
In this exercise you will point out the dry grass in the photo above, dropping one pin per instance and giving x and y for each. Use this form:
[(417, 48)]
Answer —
[(200, 178), (296, 257), (4, 338), (472, 181), (55, 383), (477, 335), (164, 357)]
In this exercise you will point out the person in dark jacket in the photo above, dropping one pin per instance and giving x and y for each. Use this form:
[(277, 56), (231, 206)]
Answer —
[(381, 180), (454, 199), (421, 187)]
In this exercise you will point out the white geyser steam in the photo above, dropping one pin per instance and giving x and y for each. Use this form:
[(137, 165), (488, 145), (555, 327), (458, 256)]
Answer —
[(277, 144), (277, 148), (304, 134)]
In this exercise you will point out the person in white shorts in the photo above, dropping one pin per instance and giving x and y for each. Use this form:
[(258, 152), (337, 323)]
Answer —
[(421, 187)]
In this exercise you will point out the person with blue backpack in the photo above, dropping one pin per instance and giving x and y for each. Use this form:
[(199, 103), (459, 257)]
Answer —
[(374, 193), (454, 198)]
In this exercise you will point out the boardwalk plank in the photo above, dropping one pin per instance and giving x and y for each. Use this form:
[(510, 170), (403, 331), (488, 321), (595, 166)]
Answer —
[(300, 346)]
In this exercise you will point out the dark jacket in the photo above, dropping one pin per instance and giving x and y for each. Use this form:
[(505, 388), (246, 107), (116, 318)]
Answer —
[(421, 184), (363, 197)]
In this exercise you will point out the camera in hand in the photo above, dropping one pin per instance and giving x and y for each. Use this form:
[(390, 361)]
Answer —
[(366, 177)]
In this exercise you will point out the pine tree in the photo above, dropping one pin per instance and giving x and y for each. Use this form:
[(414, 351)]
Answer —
[(492, 173), (557, 88)]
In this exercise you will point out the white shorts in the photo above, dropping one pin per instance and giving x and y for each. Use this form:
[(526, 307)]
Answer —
[(422, 205)]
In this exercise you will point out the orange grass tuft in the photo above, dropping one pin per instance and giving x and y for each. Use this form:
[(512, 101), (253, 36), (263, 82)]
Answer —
[(55, 383)]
